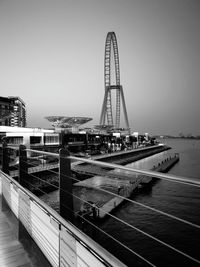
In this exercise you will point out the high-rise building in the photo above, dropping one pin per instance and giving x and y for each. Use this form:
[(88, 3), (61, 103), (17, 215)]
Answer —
[(12, 111)]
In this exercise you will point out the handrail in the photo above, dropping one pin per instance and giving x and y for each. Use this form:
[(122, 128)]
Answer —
[(170, 177), (123, 198), (80, 236)]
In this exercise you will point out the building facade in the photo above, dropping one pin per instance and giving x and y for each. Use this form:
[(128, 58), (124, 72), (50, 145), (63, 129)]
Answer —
[(12, 112)]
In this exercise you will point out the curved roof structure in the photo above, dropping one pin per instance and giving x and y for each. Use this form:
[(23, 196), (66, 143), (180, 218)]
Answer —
[(67, 122)]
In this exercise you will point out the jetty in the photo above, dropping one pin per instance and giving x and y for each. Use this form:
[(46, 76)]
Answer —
[(163, 167), (117, 186), (118, 157), (128, 156)]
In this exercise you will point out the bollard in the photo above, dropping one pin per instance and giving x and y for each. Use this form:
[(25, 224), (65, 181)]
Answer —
[(23, 166), (65, 186), (5, 158)]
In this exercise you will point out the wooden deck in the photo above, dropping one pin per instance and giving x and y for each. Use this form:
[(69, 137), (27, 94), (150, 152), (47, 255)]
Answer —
[(12, 253)]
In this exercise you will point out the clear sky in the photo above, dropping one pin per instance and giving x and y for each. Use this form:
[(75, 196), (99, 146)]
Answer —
[(52, 56)]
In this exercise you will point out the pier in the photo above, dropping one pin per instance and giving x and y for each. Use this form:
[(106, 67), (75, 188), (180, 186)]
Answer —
[(163, 166), (119, 157), (83, 170), (121, 184), (125, 157)]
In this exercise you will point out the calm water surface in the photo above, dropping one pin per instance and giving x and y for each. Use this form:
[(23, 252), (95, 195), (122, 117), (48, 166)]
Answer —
[(180, 200)]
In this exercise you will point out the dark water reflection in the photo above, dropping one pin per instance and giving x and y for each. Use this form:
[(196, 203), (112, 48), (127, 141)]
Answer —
[(179, 200)]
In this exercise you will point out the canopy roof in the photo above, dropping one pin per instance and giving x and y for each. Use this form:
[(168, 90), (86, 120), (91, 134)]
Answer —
[(66, 122)]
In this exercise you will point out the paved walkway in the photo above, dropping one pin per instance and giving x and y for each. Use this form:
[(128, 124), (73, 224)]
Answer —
[(12, 253)]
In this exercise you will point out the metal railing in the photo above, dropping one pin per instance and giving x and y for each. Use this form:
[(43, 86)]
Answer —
[(61, 241), (87, 220)]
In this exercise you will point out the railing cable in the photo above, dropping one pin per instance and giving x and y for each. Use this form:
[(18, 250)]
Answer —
[(169, 177), (141, 231), (140, 204), (121, 244), (188, 181), (143, 205), (148, 173)]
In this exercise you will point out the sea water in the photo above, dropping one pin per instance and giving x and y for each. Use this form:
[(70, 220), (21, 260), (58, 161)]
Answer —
[(179, 200)]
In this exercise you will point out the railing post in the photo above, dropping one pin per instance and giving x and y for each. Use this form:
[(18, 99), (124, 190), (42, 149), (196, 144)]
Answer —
[(5, 157), (65, 187), (23, 166)]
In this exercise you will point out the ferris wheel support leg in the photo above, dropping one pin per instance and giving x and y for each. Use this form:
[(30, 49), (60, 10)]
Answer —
[(124, 108), (103, 111)]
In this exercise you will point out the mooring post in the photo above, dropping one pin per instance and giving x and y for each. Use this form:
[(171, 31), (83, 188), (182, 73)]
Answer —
[(23, 166), (65, 188), (5, 157)]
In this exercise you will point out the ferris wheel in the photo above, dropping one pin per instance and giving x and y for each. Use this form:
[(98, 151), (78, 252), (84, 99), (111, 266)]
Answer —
[(107, 108)]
